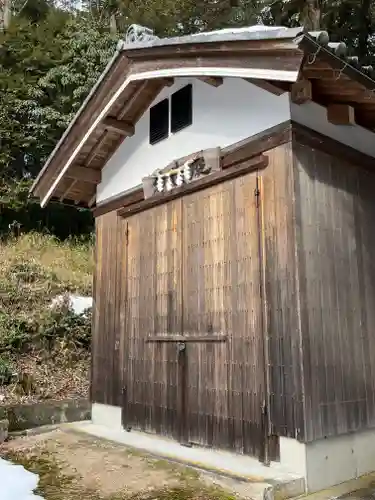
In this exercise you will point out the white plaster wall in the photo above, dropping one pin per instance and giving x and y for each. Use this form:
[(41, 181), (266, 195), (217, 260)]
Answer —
[(328, 462), (221, 116), (314, 116), (107, 415)]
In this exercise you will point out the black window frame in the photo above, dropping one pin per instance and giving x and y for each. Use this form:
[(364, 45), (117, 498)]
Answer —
[(181, 108), (159, 121)]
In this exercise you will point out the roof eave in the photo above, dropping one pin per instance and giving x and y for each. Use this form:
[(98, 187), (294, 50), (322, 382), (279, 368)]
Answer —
[(112, 61), (311, 46)]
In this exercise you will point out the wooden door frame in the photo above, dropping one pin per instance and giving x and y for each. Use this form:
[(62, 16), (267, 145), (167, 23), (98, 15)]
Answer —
[(264, 317)]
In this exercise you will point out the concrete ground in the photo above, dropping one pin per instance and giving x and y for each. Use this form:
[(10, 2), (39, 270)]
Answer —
[(362, 488)]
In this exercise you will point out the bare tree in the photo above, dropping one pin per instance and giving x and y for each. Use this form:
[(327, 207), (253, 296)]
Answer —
[(5, 12), (310, 15)]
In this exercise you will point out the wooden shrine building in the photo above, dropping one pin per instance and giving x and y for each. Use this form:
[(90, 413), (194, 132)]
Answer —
[(232, 178)]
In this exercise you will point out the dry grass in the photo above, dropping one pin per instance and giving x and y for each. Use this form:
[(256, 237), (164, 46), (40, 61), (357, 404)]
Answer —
[(34, 268), (71, 262)]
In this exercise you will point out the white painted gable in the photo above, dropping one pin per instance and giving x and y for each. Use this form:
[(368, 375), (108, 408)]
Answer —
[(222, 116)]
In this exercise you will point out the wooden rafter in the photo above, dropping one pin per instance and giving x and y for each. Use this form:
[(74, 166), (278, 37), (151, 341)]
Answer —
[(158, 86), (85, 174), (168, 82), (96, 148), (342, 93), (68, 189), (212, 80), (273, 87), (133, 99), (120, 126), (341, 114), (301, 92), (92, 201)]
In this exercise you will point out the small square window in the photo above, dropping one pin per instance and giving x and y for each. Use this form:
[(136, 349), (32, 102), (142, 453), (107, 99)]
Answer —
[(182, 108), (159, 121)]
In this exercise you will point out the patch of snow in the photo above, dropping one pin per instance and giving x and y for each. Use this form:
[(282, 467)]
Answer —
[(78, 303), (248, 29), (17, 483)]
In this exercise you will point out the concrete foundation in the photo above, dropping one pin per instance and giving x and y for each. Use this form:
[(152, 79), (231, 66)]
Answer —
[(331, 461), (320, 464), (29, 416), (259, 481), (110, 416)]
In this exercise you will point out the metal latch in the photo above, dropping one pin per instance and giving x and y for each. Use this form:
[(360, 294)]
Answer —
[(181, 346)]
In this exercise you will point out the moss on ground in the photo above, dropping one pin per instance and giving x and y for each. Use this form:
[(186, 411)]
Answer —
[(54, 484)]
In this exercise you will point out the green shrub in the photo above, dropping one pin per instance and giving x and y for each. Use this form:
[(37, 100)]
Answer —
[(35, 268), (61, 323), (6, 370), (16, 333), (28, 272)]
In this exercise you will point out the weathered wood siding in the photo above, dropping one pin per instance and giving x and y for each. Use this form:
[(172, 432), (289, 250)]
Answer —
[(239, 279), (226, 382), (108, 311), (153, 306), (281, 294), (194, 268), (335, 213)]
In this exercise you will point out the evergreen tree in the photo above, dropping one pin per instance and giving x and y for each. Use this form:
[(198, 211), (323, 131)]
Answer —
[(46, 70), (50, 57)]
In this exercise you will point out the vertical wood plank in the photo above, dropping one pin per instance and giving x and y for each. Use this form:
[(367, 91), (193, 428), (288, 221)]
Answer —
[(154, 308), (280, 211)]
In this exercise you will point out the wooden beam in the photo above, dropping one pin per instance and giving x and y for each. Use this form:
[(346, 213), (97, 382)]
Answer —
[(315, 140), (117, 202), (212, 80), (85, 174), (341, 114), (168, 82), (120, 126), (257, 144), (187, 338), (257, 162), (329, 74), (149, 97), (133, 98), (92, 201), (266, 85), (231, 155), (96, 148), (343, 94), (65, 193), (301, 91)]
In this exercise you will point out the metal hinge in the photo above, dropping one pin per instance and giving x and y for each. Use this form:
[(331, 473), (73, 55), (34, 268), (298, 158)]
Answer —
[(127, 235), (257, 195), (264, 408)]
